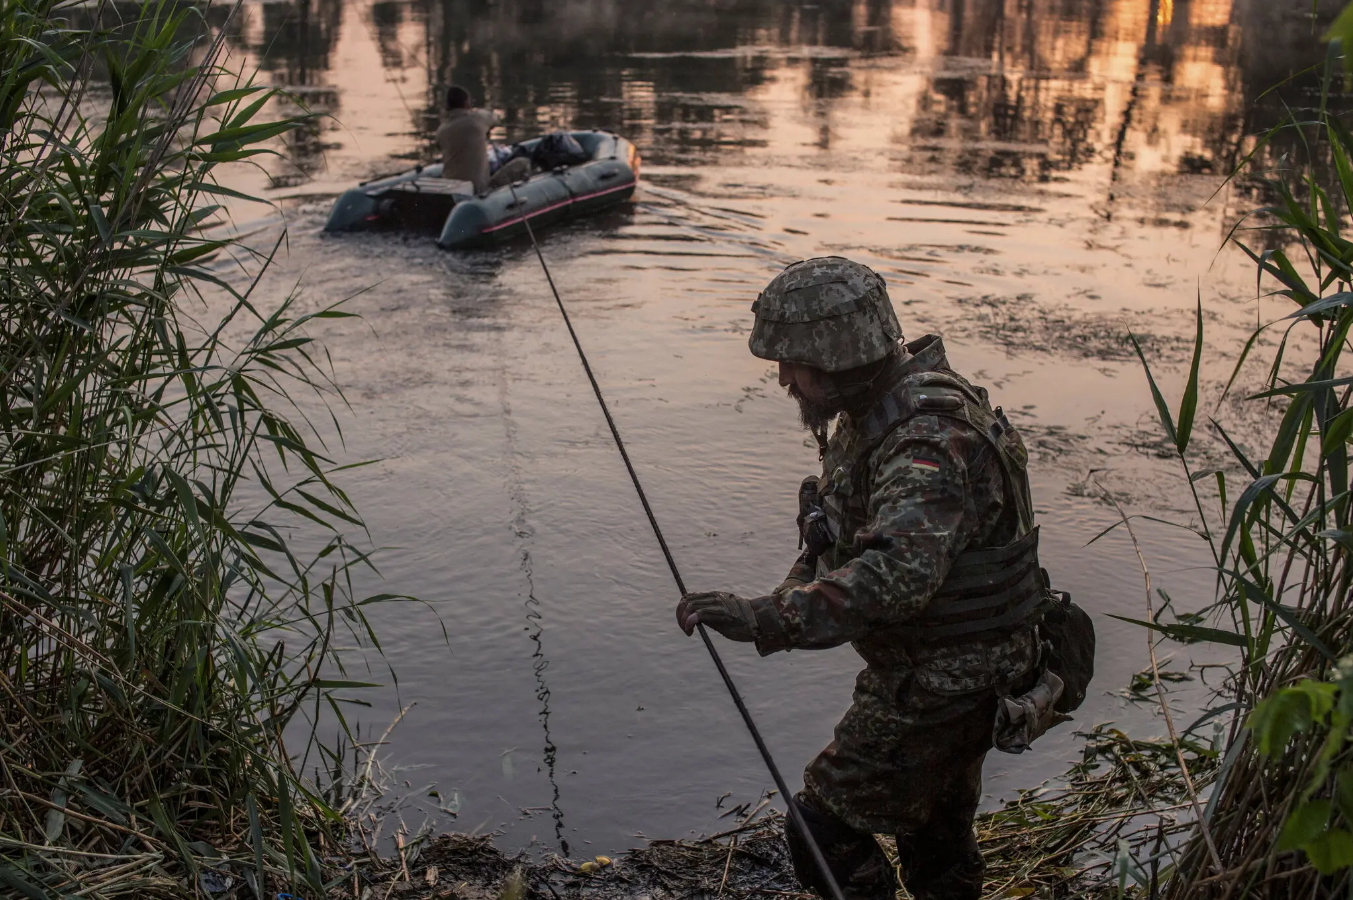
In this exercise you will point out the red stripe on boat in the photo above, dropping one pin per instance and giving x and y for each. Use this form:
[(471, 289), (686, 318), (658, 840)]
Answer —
[(568, 202)]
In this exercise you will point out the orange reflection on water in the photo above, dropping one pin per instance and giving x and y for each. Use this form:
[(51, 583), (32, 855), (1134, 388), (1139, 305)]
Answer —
[(993, 88)]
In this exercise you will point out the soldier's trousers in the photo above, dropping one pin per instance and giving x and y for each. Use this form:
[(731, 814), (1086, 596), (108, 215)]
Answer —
[(939, 862), (907, 761)]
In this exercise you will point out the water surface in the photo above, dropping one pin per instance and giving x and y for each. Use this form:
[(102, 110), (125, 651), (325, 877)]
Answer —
[(1032, 178)]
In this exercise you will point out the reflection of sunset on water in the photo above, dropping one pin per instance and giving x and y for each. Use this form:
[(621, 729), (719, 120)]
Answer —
[(1032, 178), (1026, 90)]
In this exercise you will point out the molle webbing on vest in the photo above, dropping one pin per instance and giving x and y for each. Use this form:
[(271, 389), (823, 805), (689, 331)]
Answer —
[(987, 593)]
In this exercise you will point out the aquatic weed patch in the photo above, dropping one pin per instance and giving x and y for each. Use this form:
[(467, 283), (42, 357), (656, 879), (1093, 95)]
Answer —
[(1113, 820), (1024, 324)]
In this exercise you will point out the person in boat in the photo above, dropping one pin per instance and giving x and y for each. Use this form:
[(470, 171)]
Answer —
[(464, 142), (922, 553)]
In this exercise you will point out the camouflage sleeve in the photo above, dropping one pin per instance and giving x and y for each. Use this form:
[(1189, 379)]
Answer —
[(921, 515), (800, 574)]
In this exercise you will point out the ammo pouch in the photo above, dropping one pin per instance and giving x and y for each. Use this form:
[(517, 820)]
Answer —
[(1021, 720), (987, 594)]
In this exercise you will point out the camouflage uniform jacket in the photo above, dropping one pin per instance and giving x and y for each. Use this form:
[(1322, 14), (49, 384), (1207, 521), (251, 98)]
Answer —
[(933, 489)]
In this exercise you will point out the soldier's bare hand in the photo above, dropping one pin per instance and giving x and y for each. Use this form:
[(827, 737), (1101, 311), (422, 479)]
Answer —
[(726, 613)]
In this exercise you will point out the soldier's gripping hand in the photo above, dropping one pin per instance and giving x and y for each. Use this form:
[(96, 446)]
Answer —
[(726, 613)]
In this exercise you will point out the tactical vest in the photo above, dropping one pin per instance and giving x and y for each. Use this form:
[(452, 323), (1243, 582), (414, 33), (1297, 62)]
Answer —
[(990, 592)]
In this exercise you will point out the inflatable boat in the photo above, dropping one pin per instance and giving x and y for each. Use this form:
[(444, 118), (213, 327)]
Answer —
[(421, 199)]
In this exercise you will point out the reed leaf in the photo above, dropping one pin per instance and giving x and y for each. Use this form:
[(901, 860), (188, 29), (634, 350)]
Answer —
[(1188, 404)]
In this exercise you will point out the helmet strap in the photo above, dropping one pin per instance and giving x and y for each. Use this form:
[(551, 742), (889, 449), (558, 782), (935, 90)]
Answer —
[(861, 391), (820, 434)]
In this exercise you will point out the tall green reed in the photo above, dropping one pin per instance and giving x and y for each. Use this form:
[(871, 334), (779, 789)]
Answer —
[(165, 650), (1279, 819)]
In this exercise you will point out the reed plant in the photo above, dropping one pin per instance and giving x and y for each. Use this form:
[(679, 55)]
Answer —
[(1277, 821), (165, 647)]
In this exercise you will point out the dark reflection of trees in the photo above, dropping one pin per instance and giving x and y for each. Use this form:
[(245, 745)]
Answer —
[(590, 64), (386, 16), (1048, 90), (297, 38), (595, 64), (1286, 160), (1019, 88), (292, 41), (121, 14), (974, 28), (1270, 61), (829, 79)]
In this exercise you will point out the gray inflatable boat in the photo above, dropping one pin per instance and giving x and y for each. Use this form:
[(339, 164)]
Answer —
[(421, 199)]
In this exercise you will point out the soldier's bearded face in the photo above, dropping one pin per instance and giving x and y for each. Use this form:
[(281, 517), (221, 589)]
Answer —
[(810, 389)]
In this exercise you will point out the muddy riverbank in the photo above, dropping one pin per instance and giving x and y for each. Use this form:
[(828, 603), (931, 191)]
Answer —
[(1048, 192), (1059, 840)]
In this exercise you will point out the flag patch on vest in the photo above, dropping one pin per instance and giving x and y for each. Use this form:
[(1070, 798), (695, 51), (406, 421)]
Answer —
[(923, 462)]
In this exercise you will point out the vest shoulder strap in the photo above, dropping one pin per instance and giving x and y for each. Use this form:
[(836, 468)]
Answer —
[(925, 393), (946, 395)]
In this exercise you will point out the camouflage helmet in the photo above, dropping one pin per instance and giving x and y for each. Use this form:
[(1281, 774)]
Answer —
[(827, 312)]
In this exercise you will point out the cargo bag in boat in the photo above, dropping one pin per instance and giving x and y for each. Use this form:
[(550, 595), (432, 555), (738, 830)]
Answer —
[(556, 149)]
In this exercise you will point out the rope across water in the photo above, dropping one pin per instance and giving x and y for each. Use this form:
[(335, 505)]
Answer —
[(761, 747)]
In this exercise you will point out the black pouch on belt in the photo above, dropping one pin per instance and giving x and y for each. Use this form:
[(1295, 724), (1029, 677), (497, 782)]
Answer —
[(1066, 666), (1071, 657)]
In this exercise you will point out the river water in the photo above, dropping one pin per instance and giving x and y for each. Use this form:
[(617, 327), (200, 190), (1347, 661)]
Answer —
[(1032, 178)]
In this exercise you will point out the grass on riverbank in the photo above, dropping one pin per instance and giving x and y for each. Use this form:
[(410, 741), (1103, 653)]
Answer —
[(162, 639)]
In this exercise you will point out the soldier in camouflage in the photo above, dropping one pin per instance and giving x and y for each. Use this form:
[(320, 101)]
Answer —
[(922, 553)]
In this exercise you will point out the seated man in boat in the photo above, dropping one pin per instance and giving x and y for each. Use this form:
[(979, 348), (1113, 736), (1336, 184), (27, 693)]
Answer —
[(464, 142)]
